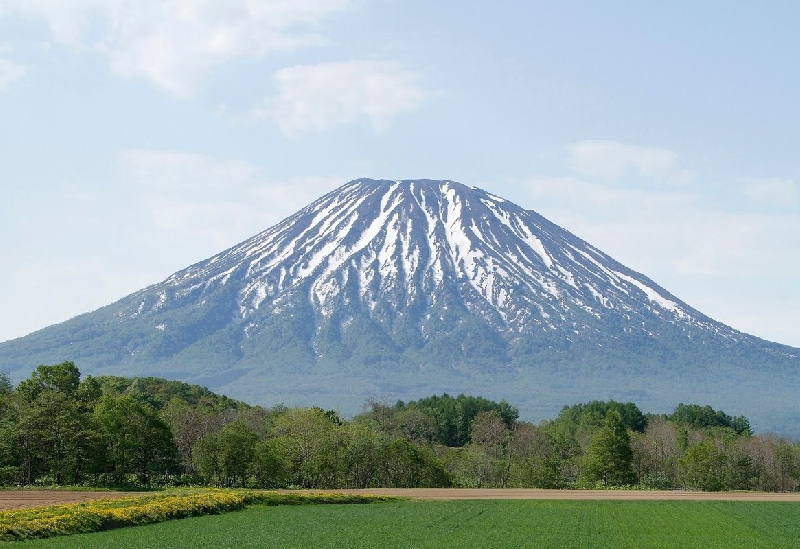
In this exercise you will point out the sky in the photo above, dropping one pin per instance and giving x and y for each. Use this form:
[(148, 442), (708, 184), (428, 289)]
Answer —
[(138, 137)]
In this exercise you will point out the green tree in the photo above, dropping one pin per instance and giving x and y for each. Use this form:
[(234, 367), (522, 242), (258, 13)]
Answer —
[(491, 435), (453, 417), (227, 457), (718, 464), (134, 440), (405, 465), (310, 441), (471, 467), (701, 467), (656, 453), (237, 447), (52, 432), (361, 456), (536, 461), (205, 458), (60, 378), (189, 424), (268, 466), (9, 462), (701, 417), (609, 456), (6, 386), (788, 466)]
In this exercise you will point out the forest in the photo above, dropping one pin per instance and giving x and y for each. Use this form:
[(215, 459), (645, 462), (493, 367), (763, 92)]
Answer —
[(58, 428)]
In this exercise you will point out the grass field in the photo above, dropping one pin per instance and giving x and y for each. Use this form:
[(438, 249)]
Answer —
[(467, 524)]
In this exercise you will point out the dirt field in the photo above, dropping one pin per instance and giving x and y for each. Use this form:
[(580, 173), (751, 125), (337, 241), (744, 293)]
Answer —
[(446, 493), (19, 499)]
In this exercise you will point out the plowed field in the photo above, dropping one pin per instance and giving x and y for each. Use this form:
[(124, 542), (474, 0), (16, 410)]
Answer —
[(490, 493), (19, 499)]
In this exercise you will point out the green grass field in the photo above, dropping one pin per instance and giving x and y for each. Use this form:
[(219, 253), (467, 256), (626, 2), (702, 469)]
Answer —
[(467, 524)]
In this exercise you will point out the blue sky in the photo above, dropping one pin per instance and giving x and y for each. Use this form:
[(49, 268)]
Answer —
[(138, 137)]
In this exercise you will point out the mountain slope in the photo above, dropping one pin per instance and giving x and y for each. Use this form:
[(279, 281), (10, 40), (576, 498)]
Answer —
[(400, 289)]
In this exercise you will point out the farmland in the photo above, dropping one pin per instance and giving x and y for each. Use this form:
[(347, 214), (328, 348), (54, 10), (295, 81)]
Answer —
[(472, 523), (106, 514)]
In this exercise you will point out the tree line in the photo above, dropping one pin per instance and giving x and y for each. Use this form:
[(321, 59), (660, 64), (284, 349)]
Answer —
[(57, 428)]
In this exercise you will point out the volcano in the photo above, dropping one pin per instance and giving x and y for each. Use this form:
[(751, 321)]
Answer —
[(401, 289)]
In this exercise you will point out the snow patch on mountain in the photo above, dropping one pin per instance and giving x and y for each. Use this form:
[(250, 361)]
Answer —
[(396, 242)]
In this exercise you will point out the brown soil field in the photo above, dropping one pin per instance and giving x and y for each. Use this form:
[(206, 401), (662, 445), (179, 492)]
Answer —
[(490, 493), (20, 499)]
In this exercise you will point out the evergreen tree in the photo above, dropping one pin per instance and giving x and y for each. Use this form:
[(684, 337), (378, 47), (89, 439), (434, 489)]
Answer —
[(609, 456)]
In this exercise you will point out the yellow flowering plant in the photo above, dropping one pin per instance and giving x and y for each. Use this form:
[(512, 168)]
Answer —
[(107, 514)]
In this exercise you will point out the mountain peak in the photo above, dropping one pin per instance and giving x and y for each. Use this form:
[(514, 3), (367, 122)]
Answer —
[(404, 288), (397, 242)]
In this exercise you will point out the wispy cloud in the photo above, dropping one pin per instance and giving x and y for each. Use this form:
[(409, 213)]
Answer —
[(777, 193), (174, 44), (611, 160), (673, 230), (632, 202), (206, 203), (318, 97), (10, 73), (156, 212)]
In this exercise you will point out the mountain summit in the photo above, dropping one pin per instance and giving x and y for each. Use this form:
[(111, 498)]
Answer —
[(397, 289), (406, 249)]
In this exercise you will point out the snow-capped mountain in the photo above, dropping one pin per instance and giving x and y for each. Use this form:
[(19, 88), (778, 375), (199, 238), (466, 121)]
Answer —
[(407, 245), (404, 288)]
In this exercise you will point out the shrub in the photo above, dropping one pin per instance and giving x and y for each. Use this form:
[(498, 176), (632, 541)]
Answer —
[(100, 515)]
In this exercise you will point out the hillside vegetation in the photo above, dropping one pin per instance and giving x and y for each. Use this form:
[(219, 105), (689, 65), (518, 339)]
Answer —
[(59, 429)]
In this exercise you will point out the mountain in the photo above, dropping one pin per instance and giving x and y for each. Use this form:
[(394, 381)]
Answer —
[(403, 289)]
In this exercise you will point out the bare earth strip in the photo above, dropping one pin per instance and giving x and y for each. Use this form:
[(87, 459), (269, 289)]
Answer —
[(24, 499), (21, 499), (467, 493)]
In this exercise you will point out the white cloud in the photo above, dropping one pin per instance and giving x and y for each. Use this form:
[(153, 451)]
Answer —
[(611, 160), (67, 19), (668, 231), (723, 262), (781, 193), (174, 44), (158, 211), (623, 222), (10, 73), (48, 290), (206, 203), (317, 97)]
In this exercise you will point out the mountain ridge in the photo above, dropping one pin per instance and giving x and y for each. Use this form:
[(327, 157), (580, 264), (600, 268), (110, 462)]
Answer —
[(405, 288)]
